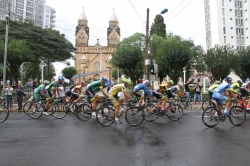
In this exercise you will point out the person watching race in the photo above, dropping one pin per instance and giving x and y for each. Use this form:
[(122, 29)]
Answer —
[(52, 89), (117, 94), (92, 90), (218, 95), (142, 86)]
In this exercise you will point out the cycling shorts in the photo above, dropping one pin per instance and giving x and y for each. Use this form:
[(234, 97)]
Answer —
[(244, 92), (219, 98)]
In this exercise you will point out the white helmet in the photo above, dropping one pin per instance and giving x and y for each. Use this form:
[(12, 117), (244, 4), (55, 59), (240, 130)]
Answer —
[(46, 82), (145, 81)]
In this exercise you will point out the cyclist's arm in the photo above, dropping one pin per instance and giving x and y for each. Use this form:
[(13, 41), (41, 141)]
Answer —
[(127, 95), (104, 93), (180, 93)]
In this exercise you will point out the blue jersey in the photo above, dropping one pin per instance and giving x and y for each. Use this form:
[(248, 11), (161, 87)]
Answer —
[(222, 87), (142, 87)]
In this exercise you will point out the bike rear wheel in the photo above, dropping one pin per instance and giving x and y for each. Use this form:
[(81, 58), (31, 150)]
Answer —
[(237, 115), (83, 112), (134, 116), (4, 114), (208, 117), (105, 116), (26, 107), (151, 112), (59, 110), (35, 110), (174, 113)]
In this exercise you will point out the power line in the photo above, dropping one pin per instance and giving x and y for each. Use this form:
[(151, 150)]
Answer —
[(175, 8), (135, 10), (179, 11)]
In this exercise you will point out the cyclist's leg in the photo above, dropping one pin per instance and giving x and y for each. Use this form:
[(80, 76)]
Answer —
[(116, 104)]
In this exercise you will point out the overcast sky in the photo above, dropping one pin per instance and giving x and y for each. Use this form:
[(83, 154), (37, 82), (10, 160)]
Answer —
[(184, 17)]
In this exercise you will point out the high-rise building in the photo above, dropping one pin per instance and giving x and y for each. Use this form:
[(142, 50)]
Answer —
[(35, 10), (227, 22)]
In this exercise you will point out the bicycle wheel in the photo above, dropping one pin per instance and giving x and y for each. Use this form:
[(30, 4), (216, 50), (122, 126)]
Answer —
[(134, 116), (26, 107), (174, 113), (208, 117), (83, 112), (4, 114), (151, 112), (105, 116), (59, 110), (237, 115), (186, 109), (35, 110), (206, 104)]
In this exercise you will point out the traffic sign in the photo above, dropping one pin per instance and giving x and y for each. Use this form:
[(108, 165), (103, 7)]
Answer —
[(152, 77)]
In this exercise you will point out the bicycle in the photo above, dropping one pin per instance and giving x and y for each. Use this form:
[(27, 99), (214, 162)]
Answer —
[(150, 109), (237, 115), (57, 109), (4, 113)]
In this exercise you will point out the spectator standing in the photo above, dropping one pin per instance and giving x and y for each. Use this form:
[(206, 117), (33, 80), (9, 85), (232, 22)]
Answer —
[(20, 94), (8, 94), (197, 93), (109, 85), (29, 85), (187, 91), (34, 84)]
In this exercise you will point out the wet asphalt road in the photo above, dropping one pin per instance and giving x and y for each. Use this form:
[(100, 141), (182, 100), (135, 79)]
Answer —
[(25, 141)]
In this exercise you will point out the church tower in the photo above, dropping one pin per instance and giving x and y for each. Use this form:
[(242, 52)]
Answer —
[(82, 31), (113, 34)]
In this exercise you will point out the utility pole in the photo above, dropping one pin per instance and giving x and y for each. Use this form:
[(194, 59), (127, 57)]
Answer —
[(7, 17), (146, 48)]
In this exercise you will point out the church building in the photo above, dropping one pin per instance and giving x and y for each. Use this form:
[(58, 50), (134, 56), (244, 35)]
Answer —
[(95, 58)]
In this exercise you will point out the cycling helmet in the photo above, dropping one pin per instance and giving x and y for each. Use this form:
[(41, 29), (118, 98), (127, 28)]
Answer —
[(105, 80), (61, 78), (170, 82), (227, 79), (126, 81), (239, 81), (146, 81), (46, 82)]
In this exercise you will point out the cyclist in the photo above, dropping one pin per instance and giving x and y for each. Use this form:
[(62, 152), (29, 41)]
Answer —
[(158, 93), (212, 88), (236, 86), (175, 90), (245, 92), (219, 97), (116, 95), (92, 90), (40, 90), (52, 89), (142, 86), (77, 92)]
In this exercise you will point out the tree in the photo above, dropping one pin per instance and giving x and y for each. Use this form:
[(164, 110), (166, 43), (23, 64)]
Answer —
[(175, 54), (158, 26), (32, 70), (242, 69), (69, 72), (46, 44), (18, 52), (129, 56), (219, 61)]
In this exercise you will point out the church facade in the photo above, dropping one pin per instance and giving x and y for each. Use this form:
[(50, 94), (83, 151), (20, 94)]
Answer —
[(95, 58)]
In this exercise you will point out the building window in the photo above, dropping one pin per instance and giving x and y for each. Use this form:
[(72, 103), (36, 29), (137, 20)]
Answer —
[(232, 37), (231, 27), (223, 12), (225, 39), (223, 20), (222, 2), (230, 10), (224, 30), (231, 18)]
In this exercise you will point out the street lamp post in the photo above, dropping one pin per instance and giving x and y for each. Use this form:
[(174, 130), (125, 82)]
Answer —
[(100, 58), (184, 73), (42, 65), (5, 51)]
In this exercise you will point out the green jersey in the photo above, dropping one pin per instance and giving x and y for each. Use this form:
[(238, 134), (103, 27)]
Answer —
[(39, 88), (52, 85), (212, 88), (95, 86)]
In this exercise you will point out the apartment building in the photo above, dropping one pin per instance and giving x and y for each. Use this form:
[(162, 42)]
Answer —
[(35, 10), (227, 22)]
